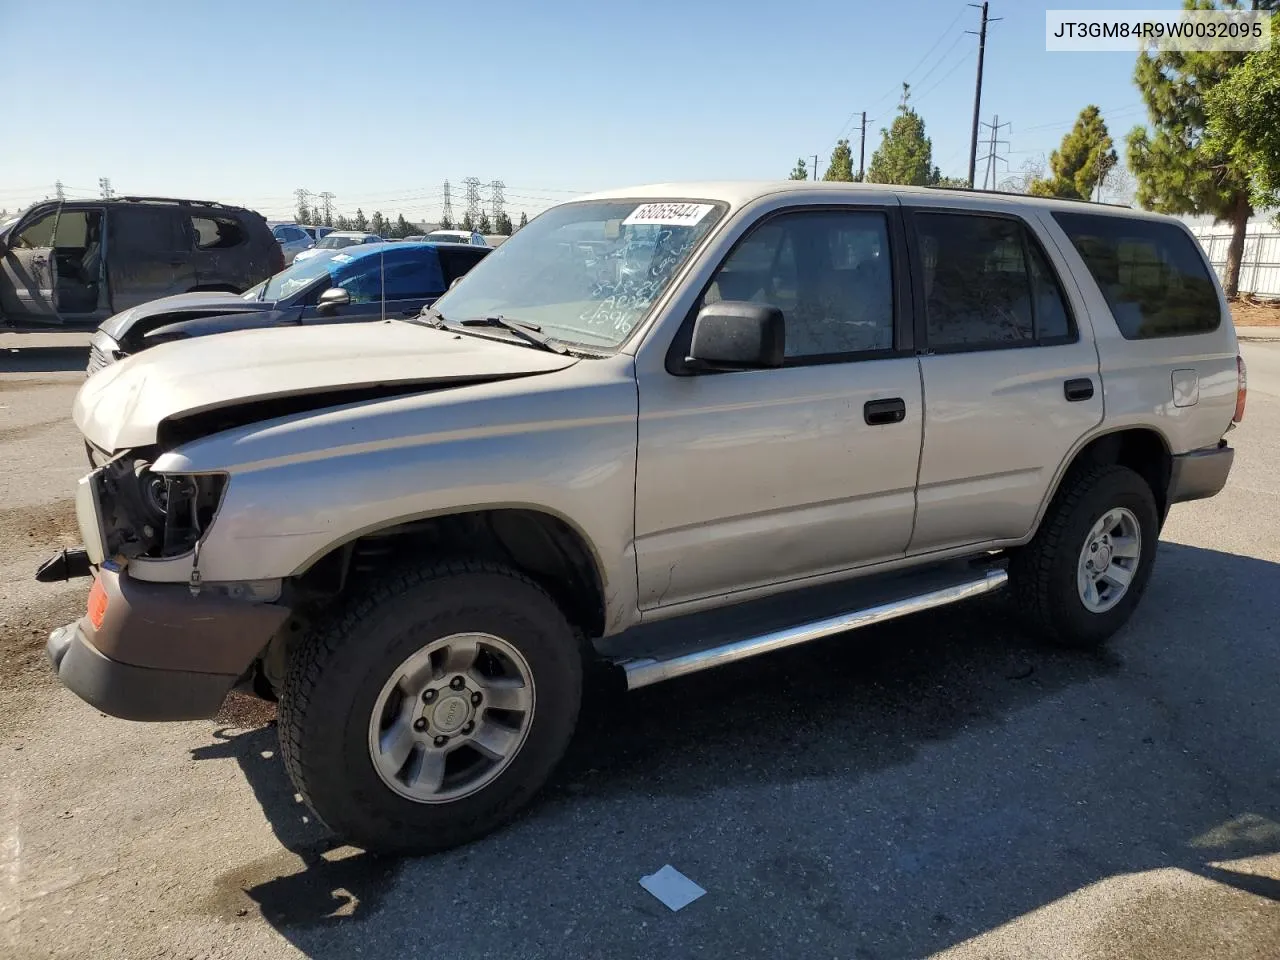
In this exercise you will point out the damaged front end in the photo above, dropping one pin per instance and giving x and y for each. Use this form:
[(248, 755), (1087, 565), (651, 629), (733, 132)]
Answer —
[(126, 510)]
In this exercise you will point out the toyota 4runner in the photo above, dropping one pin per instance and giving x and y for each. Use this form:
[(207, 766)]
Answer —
[(669, 428)]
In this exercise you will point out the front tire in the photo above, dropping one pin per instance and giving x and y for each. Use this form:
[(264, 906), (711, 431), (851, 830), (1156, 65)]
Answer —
[(1080, 578), (434, 705)]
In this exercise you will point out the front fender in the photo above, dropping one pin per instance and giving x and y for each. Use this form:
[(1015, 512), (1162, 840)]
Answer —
[(223, 323)]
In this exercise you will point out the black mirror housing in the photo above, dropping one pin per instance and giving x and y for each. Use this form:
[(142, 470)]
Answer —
[(737, 335)]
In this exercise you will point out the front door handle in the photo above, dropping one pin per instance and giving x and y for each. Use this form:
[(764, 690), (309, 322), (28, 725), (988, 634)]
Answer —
[(1076, 390), (877, 412)]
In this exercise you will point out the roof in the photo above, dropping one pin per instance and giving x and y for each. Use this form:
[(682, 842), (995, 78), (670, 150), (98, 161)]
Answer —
[(738, 193), (350, 233)]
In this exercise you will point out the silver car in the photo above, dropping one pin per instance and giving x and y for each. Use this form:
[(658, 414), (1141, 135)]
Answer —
[(293, 240), (663, 429), (337, 239)]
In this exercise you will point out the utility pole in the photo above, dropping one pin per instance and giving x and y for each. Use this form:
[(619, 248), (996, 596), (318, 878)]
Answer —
[(977, 93), (104, 185), (993, 155), (862, 150), (446, 210), (815, 166)]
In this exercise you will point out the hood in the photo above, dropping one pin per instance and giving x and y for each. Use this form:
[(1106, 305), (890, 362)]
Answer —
[(124, 404), (118, 326)]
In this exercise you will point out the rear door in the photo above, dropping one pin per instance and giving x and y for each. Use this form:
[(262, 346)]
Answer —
[(27, 272), (1009, 367), (222, 256), (149, 253)]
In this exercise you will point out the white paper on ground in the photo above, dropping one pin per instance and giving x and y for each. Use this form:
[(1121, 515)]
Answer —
[(672, 887)]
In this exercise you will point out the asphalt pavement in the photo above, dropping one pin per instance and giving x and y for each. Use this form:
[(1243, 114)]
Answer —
[(939, 786)]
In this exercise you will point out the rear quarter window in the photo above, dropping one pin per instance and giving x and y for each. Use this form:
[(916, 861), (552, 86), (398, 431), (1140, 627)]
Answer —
[(217, 233), (1151, 274)]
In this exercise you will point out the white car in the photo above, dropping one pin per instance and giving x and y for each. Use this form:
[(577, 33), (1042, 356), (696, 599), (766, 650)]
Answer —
[(293, 240), (457, 236), (337, 240)]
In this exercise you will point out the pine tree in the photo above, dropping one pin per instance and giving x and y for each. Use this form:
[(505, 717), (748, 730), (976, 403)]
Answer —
[(302, 214), (1243, 120), (359, 221), (905, 154), (1081, 163), (1178, 168), (484, 226), (377, 224), (524, 220), (342, 223), (446, 223), (503, 225), (801, 172), (840, 169), (468, 224), (403, 227)]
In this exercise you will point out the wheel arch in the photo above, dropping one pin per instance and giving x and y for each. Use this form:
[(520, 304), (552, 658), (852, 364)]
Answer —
[(1145, 450), (546, 546)]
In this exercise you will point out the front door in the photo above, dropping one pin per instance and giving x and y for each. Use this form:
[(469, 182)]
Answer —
[(149, 254), (410, 278), (1011, 378), (760, 477), (27, 272)]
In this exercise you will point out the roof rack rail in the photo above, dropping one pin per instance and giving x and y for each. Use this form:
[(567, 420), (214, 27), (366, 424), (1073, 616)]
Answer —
[(1014, 193), (182, 202)]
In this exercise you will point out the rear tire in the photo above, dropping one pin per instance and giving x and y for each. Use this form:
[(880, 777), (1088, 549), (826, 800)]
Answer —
[(1079, 579), (369, 719)]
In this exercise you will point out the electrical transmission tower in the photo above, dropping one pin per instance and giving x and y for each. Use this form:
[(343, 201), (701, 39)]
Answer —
[(104, 185), (58, 190), (473, 199), (446, 211), (326, 207), (303, 196), (993, 155), (497, 201)]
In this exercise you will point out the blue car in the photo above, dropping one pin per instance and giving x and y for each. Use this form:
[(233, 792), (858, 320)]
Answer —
[(337, 286)]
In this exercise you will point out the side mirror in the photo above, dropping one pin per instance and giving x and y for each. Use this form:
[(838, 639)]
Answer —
[(736, 335), (332, 299), (456, 281)]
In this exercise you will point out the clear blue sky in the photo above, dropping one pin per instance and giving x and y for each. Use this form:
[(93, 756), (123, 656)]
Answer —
[(379, 101)]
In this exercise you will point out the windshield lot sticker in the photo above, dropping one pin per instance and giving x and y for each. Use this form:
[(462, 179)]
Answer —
[(342, 258), (668, 214)]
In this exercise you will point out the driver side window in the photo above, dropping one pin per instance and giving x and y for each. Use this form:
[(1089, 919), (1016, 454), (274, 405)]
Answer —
[(827, 271)]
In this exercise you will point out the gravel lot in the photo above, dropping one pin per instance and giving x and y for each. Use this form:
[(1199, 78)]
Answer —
[(939, 786)]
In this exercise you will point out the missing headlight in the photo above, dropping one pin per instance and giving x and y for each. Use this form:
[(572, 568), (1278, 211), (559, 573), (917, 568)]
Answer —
[(156, 515)]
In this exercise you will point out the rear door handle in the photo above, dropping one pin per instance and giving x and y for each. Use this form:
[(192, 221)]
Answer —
[(877, 412), (1080, 389)]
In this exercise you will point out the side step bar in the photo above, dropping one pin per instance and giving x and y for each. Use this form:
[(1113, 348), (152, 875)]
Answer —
[(643, 672)]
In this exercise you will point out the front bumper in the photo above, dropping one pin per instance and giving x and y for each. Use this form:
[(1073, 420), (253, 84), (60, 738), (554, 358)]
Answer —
[(1200, 474), (158, 653)]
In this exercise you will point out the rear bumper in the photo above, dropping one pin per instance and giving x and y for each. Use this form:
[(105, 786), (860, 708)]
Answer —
[(1201, 473), (159, 653)]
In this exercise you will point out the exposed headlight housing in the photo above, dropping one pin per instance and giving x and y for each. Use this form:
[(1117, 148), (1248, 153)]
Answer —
[(155, 515)]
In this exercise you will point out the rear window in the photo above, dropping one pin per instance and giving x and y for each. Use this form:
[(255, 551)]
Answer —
[(1152, 275), (216, 233)]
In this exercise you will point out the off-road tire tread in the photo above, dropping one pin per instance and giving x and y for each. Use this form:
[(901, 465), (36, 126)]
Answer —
[(308, 662), (1031, 576)]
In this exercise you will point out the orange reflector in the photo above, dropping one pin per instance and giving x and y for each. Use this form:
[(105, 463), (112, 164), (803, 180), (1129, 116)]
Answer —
[(97, 604), (1242, 389)]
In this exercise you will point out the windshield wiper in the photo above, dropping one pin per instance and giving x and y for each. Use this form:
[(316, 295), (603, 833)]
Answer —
[(529, 332), (430, 316)]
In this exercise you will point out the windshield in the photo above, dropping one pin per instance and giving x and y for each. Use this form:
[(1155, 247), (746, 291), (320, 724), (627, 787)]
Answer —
[(330, 242), (289, 281), (585, 272)]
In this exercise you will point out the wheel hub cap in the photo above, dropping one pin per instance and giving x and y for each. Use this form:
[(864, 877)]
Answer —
[(450, 714), (1109, 560)]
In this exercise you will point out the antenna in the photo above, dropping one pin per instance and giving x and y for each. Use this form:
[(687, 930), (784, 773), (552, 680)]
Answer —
[(382, 276)]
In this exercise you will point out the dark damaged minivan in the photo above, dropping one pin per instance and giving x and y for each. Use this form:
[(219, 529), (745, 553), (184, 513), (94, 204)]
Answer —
[(71, 264)]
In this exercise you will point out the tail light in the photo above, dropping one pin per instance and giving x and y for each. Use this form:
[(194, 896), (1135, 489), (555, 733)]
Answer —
[(1242, 389)]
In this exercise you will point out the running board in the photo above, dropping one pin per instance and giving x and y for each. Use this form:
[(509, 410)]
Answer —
[(646, 671)]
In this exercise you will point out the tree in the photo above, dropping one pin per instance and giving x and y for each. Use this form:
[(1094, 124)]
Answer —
[(954, 182), (1118, 186), (484, 226), (403, 227), (1178, 167), (1243, 120), (468, 223), (446, 223), (359, 221), (1082, 161), (342, 223), (1032, 169), (377, 224), (801, 172), (840, 169), (524, 220), (905, 154), (302, 214), (503, 225)]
